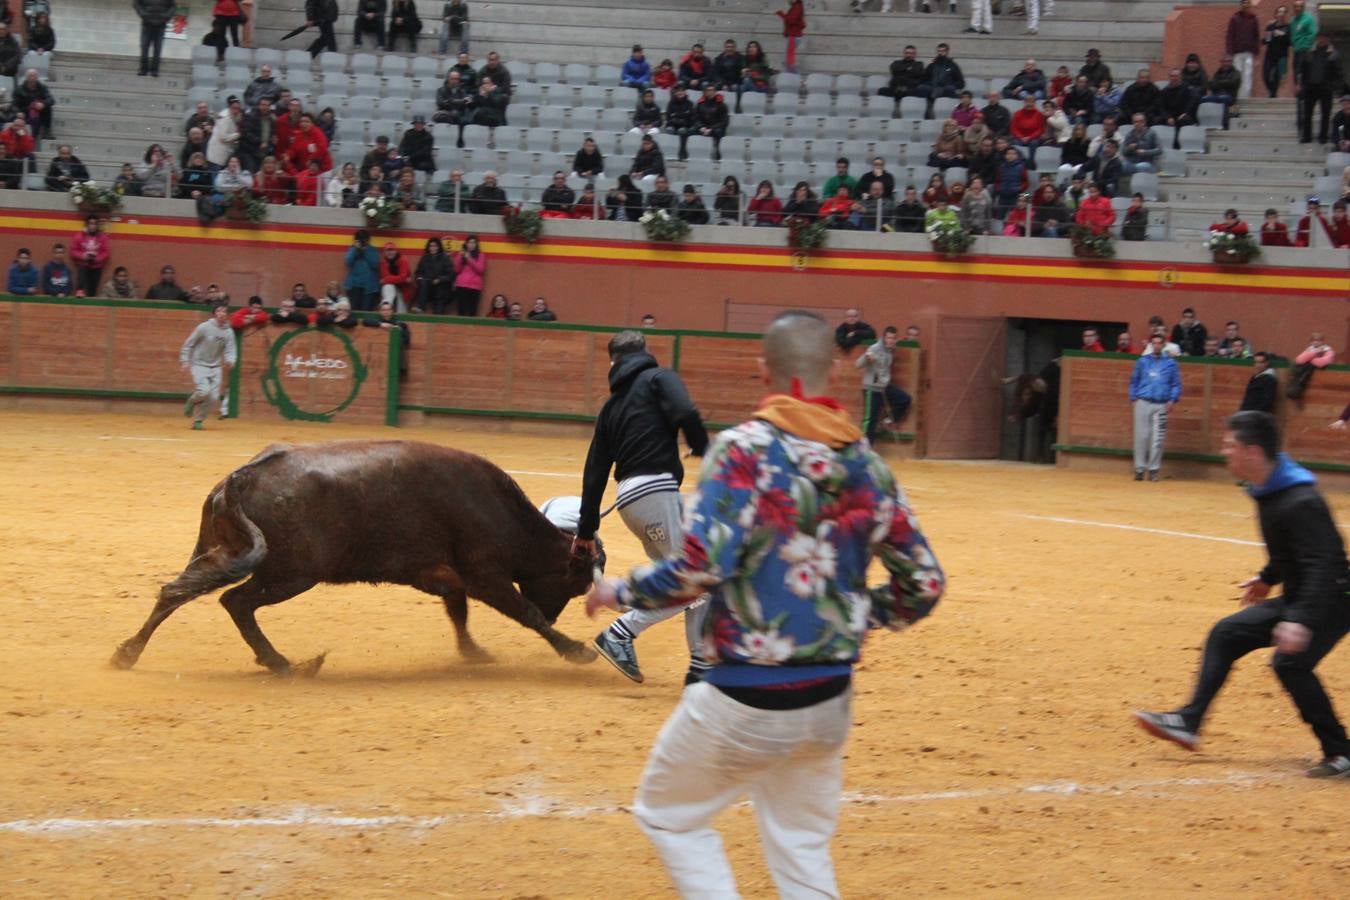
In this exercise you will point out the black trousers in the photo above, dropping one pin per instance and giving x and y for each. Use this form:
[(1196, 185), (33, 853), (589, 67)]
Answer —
[(374, 26), (218, 27), (152, 47), (895, 398), (90, 280), (466, 301), (327, 41), (363, 300), (1250, 629), (1319, 96)]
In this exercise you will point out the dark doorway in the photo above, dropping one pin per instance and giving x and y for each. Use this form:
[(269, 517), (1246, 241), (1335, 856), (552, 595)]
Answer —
[(1029, 415)]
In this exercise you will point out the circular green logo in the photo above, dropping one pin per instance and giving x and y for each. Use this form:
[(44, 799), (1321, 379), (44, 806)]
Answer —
[(313, 374)]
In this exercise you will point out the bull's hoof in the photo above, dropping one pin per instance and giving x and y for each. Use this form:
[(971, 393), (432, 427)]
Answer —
[(580, 653), (310, 667), (476, 655), (125, 656)]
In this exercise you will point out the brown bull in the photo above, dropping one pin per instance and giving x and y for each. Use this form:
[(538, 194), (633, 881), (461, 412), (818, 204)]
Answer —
[(398, 512)]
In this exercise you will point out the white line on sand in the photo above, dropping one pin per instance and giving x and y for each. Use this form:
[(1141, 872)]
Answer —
[(127, 437), (1164, 531), (542, 807)]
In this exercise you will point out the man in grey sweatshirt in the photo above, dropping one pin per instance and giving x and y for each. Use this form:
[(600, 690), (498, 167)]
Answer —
[(210, 344), (877, 387)]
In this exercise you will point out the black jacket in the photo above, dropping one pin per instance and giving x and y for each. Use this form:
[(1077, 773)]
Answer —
[(1142, 98), (693, 212), (1262, 391), (1306, 554), (944, 73), (584, 162), (321, 11), (486, 200), (727, 69), (1190, 340), (712, 114), (997, 119), (906, 75), (649, 162), (679, 114), (848, 336), (635, 433), (558, 199), (648, 114), (418, 148), (1177, 101)]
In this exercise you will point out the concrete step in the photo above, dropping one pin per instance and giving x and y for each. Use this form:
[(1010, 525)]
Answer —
[(1211, 171), (1255, 145), (104, 26)]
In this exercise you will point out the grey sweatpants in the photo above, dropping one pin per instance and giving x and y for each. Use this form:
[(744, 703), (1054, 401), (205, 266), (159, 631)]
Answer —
[(1150, 429), (655, 520), (206, 381)]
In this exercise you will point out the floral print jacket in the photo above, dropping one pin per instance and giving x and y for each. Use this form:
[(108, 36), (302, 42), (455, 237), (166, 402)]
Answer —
[(779, 534)]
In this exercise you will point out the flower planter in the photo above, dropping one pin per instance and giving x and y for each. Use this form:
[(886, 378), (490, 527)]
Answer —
[(236, 212), (89, 208), (1232, 257)]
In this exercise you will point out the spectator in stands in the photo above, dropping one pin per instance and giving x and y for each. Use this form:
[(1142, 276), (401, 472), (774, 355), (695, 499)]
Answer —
[(1049, 216), (1028, 82), (498, 308), (1339, 228), (1106, 102), (977, 208), (943, 78), (1134, 224), (489, 107), (727, 202), (1094, 69), (589, 162), (1057, 125), (757, 76), (468, 75), (1263, 387), (648, 162), (646, 115), (623, 203), (57, 280), (370, 20), (1155, 388), (1230, 223), (1223, 88), (1107, 173), (1189, 334), (127, 184), (1124, 344), (154, 15), (558, 198), (381, 156), (403, 20), (1317, 355), (309, 185), (327, 123), (418, 147), (515, 312), (1177, 102), (470, 271), (874, 211), (662, 197), (1011, 181), (908, 79), (271, 184), (451, 193), (197, 181), (234, 178), (337, 314), (1080, 100), (499, 73), (201, 118), (65, 170), (996, 118), (322, 14), (257, 135), (540, 312), (225, 135), (1092, 342), (981, 17), (680, 118), (455, 25), (694, 68), (1193, 74), (226, 15), (728, 67), (24, 278), (196, 143), (712, 118), (1230, 336), (965, 111), (935, 192), (665, 77), (764, 209), (691, 208), (435, 278), (1076, 193), (587, 206), (1340, 135), (1027, 129), (264, 86), (877, 173), (157, 173), (1320, 77), (487, 199), (1095, 211), (1277, 42), (307, 144), (167, 288), (853, 332), (794, 27), (1303, 236), (1242, 42), (975, 133), (287, 314), (1017, 221), (18, 142), (909, 212), (841, 177), (1212, 349), (41, 36), (363, 273), (949, 148), (837, 211), (33, 100), (1144, 97), (636, 72), (120, 286), (396, 279), (983, 161), (803, 203), (1157, 328), (1141, 151), (454, 104)]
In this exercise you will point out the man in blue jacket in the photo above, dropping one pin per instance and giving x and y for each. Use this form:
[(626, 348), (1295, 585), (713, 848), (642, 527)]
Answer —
[(637, 72), (363, 273), (1306, 555), (1155, 387), (23, 276)]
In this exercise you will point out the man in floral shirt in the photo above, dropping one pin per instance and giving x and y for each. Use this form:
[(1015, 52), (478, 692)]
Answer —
[(790, 508)]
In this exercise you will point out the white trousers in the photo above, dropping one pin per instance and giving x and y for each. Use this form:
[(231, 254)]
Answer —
[(710, 752), (206, 387), (1150, 430), (981, 15), (1246, 64), (1033, 8), (656, 521)]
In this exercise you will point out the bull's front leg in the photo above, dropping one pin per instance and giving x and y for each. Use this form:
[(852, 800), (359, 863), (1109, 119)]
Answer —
[(509, 602)]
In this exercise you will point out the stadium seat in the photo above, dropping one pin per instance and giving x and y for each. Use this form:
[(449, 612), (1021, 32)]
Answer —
[(875, 83), (848, 106), (1193, 139), (526, 92), (1145, 183), (1047, 158), (1336, 163), (913, 108), (833, 128), (364, 63), (1172, 162), (794, 150), (333, 64), (552, 117), (818, 104), (203, 55), (916, 154), (596, 97), (734, 148), (263, 56), (956, 174), (928, 130), (206, 77), (753, 104), (787, 83), (943, 106), (301, 81), (547, 73), (848, 84), (368, 84), (995, 84), (762, 149), (661, 97), (576, 74), (295, 60), (979, 87), (1328, 186), (699, 146), (608, 76), (393, 66), (585, 117), (1209, 115), (616, 119), (1094, 130), (239, 56), (39, 61), (819, 83)]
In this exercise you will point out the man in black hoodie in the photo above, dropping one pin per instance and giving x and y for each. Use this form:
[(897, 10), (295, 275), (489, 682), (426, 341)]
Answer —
[(1263, 389), (1307, 555), (636, 435), (680, 118), (711, 118)]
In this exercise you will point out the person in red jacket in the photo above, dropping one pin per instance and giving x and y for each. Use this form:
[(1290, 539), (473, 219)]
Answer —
[(307, 143), (1092, 342), (1095, 211), (89, 251), (18, 140), (396, 280), (249, 316), (1243, 43), (1028, 126), (271, 184), (309, 185), (1303, 237), (794, 26), (1339, 229), (1274, 233), (1231, 223)]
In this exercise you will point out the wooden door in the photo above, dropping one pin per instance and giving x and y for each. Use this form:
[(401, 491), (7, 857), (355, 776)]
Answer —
[(965, 402)]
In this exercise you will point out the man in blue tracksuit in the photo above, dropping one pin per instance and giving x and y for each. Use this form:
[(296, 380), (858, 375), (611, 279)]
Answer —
[(1155, 387)]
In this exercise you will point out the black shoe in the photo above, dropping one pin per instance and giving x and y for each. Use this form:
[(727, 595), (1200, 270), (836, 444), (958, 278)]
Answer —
[(970, 31), (1331, 767), (1139, 475), (619, 653), (985, 31), (1170, 727), (140, 72), (1153, 475)]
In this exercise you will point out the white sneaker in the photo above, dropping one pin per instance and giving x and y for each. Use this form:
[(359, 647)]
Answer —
[(1331, 767)]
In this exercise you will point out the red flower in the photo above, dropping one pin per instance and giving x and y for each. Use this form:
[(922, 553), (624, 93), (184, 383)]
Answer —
[(777, 510), (853, 511), (694, 553), (902, 530), (741, 469), (725, 633)]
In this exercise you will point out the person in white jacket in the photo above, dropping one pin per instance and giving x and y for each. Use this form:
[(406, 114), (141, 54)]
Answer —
[(343, 181), (225, 136)]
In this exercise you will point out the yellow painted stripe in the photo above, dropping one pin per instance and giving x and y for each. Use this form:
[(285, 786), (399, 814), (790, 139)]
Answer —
[(1126, 273)]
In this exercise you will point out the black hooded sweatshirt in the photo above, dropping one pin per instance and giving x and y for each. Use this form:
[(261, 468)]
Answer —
[(635, 433)]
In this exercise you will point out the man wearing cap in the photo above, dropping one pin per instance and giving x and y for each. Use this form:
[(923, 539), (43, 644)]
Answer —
[(1094, 69), (637, 72), (379, 155), (1304, 236), (418, 148)]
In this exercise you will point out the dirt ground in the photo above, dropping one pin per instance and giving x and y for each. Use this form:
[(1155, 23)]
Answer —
[(993, 753)]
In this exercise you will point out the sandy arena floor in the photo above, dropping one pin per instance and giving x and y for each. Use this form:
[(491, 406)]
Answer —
[(993, 753)]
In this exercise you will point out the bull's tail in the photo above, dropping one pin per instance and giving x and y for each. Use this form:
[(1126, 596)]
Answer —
[(229, 547)]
